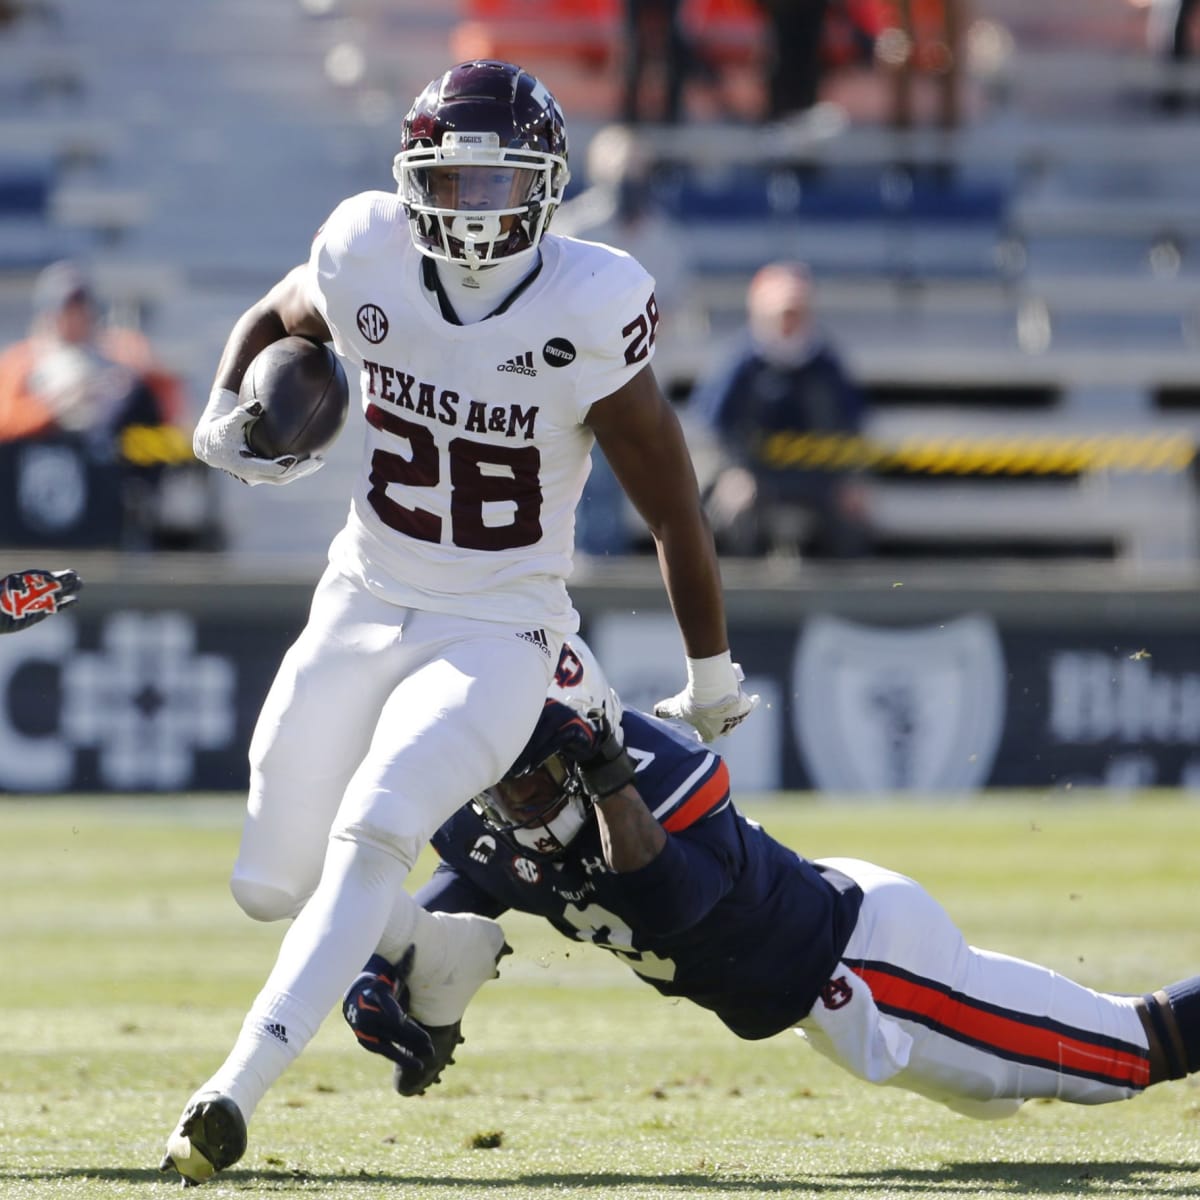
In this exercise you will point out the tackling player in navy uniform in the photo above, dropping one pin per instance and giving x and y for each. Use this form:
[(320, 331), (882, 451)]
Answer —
[(639, 849), (27, 597)]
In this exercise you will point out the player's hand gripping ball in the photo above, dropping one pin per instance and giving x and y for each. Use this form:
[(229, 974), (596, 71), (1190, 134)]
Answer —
[(302, 391)]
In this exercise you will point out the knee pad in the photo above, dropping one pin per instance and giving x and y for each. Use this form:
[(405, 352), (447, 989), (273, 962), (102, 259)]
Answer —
[(262, 902), (402, 846)]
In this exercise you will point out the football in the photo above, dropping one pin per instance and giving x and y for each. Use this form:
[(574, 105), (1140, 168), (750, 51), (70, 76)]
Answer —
[(304, 395)]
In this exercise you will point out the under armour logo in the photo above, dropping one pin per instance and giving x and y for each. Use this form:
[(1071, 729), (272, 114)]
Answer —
[(837, 993)]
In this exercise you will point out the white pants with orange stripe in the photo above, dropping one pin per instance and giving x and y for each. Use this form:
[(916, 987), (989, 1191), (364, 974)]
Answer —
[(913, 1006)]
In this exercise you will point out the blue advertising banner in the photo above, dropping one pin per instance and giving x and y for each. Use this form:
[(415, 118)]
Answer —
[(119, 698), (133, 701), (948, 705)]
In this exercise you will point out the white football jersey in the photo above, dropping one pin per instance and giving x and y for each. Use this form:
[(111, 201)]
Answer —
[(474, 453)]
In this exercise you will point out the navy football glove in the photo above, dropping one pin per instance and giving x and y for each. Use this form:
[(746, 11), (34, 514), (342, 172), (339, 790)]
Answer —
[(374, 1007), (27, 597), (606, 768)]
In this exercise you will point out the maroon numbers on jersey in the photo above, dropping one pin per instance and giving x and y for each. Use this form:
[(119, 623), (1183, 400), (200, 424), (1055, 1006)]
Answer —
[(641, 331), (472, 486)]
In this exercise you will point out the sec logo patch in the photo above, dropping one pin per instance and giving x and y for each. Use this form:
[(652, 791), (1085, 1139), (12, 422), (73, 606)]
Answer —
[(372, 323)]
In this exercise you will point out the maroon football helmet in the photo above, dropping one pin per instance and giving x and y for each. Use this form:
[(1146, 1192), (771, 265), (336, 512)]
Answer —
[(482, 163)]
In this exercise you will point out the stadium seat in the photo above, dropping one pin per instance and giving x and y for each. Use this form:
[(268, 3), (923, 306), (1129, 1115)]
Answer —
[(24, 189)]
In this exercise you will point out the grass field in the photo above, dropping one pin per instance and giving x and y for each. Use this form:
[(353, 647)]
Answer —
[(125, 968)]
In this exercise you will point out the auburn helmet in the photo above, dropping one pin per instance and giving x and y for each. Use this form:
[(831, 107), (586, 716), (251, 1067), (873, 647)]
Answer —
[(541, 804), (482, 163)]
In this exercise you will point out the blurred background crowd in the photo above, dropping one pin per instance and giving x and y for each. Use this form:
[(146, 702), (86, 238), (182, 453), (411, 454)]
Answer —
[(989, 345), (929, 277)]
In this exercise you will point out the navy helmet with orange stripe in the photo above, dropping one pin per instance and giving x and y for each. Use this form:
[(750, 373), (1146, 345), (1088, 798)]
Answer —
[(541, 804)]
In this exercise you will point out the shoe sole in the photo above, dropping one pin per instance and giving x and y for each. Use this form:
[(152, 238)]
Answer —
[(211, 1136)]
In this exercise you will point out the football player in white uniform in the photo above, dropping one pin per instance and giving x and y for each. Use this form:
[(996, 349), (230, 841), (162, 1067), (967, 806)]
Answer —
[(490, 355)]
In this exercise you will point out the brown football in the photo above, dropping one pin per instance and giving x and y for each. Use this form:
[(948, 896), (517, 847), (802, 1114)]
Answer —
[(304, 396)]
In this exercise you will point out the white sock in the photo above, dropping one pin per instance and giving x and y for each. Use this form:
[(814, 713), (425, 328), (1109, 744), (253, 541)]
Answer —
[(331, 938), (274, 1032)]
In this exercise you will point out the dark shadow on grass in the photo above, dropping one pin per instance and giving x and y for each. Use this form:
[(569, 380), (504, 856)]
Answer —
[(1005, 1178), (1014, 1178)]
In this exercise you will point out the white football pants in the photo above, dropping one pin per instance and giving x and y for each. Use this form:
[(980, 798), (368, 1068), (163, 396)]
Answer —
[(381, 722), (911, 1005), (380, 719)]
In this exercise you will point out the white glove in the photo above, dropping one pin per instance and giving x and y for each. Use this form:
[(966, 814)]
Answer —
[(713, 701), (220, 440)]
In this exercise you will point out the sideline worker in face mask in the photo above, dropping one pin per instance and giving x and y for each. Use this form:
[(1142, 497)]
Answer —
[(784, 380)]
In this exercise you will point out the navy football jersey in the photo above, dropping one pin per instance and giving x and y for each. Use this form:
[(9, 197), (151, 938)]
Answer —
[(725, 916)]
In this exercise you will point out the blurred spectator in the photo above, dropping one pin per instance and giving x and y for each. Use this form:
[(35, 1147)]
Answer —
[(1183, 36), (1172, 32), (14, 11), (851, 30), (653, 34), (784, 383), (92, 449), (1170, 29), (71, 375), (925, 37), (794, 60)]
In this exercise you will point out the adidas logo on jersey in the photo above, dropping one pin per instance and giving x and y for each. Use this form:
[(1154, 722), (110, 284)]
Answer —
[(277, 1031), (538, 638), (521, 364)]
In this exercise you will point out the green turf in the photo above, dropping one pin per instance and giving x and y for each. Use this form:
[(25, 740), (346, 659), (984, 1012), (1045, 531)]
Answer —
[(125, 968)]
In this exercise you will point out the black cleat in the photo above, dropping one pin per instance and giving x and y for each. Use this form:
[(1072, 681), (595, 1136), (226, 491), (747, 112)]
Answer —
[(210, 1136), (410, 1081)]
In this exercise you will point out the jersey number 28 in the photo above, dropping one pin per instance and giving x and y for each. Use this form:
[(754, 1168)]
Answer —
[(472, 486)]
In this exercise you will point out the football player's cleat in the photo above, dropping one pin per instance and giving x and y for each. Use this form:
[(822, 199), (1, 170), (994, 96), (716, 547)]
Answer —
[(452, 966), (210, 1136), (409, 1080), (377, 1002), (482, 164), (374, 1009)]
